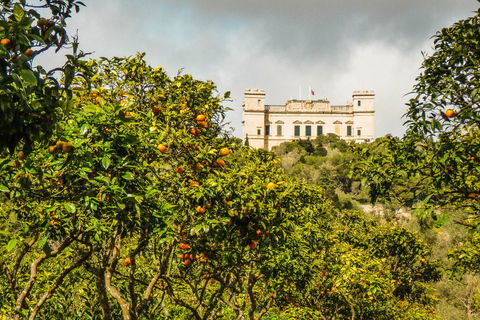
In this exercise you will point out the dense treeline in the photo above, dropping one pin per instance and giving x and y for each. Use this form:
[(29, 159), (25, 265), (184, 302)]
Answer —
[(327, 162)]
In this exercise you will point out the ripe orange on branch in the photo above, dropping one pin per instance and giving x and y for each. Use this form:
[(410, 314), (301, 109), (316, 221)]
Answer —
[(201, 117), (179, 169), (29, 53), (184, 246), (5, 42), (162, 148), (219, 163), (200, 209), (203, 124), (224, 152), (450, 113), (195, 131), (271, 185), (127, 262)]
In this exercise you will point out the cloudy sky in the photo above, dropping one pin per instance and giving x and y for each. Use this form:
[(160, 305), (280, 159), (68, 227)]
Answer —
[(334, 46)]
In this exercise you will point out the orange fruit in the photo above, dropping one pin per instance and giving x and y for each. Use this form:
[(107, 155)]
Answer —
[(5, 42), (194, 183), (200, 209), (203, 124), (201, 117), (224, 152), (370, 298), (179, 169), (127, 262), (121, 101), (68, 147), (53, 150), (197, 166), (29, 53), (212, 281), (184, 246), (450, 113), (195, 131), (127, 114), (180, 256), (422, 260), (219, 163), (162, 148), (271, 185), (21, 155), (156, 110), (252, 245), (16, 164), (187, 262), (259, 232), (229, 222)]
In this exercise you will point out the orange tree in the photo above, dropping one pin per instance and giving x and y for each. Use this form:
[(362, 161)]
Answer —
[(131, 180), (31, 99), (440, 150), (107, 187)]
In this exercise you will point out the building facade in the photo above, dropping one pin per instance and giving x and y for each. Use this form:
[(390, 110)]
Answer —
[(267, 126)]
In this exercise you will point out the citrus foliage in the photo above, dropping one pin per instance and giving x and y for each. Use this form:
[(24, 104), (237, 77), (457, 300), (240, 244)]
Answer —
[(135, 210), (31, 99), (439, 150)]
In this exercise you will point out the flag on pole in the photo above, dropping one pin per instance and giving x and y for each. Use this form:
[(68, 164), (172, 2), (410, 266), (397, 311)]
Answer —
[(311, 91)]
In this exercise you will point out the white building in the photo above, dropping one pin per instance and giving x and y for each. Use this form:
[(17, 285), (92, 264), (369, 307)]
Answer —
[(270, 125)]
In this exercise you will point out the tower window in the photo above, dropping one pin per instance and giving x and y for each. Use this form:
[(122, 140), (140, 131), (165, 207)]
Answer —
[(279, 130), (359, 103), (267, 130), (308, 131), (259, 132)]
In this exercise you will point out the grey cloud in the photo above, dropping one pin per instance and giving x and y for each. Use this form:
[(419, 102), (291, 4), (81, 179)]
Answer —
[(336, 46)]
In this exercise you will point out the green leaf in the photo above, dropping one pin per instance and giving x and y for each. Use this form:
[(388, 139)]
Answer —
[(11, 244), (42, 242), (70, 207), (128, 176), (46, 249), (28, 76), (106, 162), (3, 188), (36, 38), (195, 230), (18, 12)]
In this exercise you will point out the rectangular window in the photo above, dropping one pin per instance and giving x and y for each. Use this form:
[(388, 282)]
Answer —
[(308, 131), (359, 103), (279, 130), (297, 131), (349, 131), (267, 130), (319, 130), (259, 132), (359, 132)]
